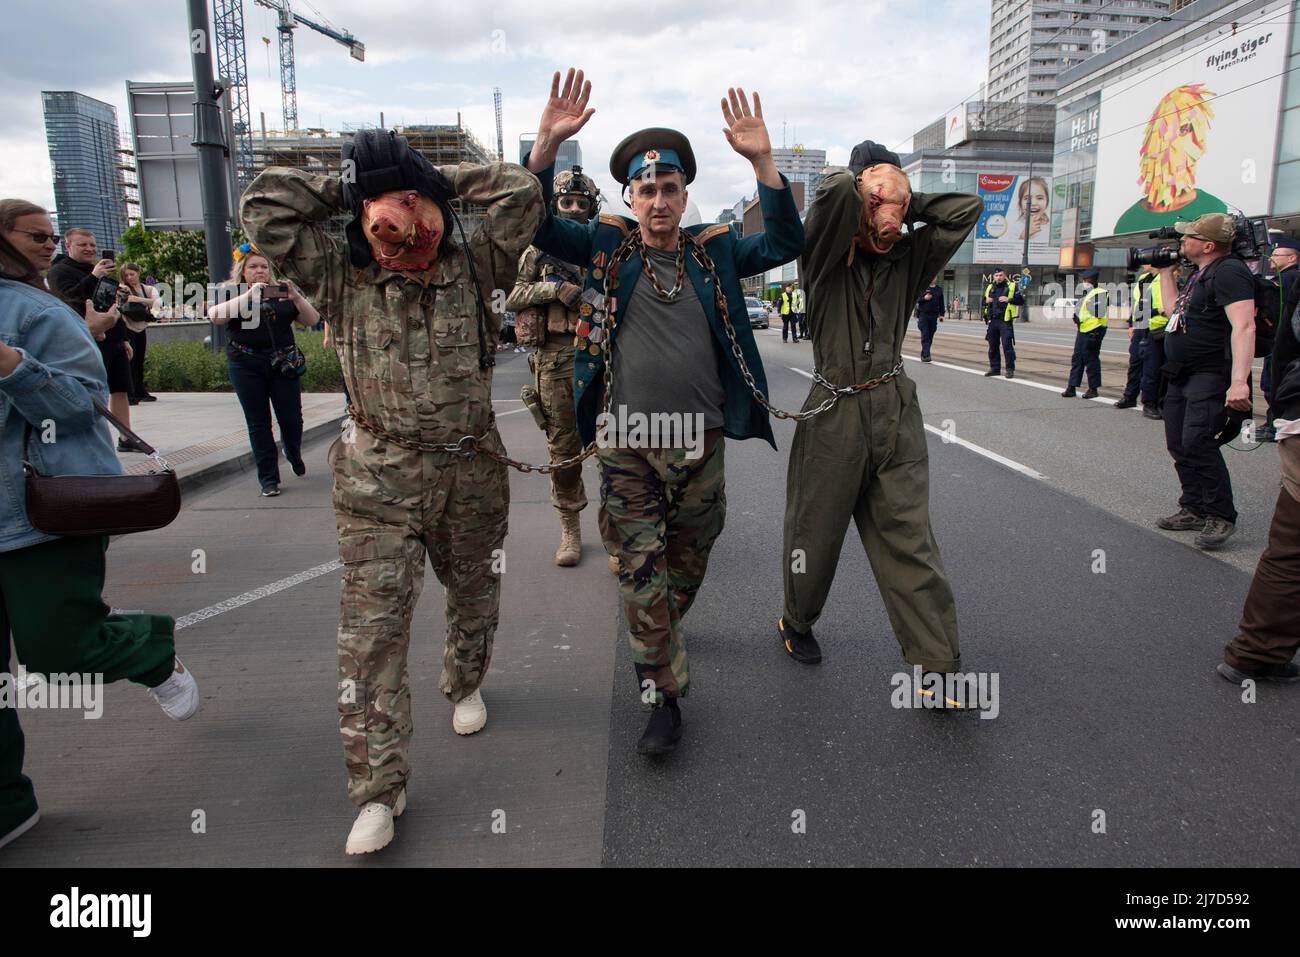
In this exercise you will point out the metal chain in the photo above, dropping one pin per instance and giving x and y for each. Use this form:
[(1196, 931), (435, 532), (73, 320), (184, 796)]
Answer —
[(720, 297), (468, 445), (649, 268)]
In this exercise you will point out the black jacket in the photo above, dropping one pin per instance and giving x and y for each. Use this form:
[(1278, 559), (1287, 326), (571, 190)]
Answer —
[(74, 283), (934, 308), (1286, 348)]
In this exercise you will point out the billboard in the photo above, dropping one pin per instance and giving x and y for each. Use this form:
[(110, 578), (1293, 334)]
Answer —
[(167, 164), (955, 131), (1191, 135), (1014, 204)]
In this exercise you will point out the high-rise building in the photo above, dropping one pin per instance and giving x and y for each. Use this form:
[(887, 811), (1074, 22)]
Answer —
[(569, 155), (84, 143), (801, 165), (1032, 41)]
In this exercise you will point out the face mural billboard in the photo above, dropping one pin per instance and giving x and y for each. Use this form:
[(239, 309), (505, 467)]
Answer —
[(1194, 134), (1014, 205)]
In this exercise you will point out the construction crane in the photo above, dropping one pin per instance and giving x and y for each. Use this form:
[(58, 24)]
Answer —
[(232, 66), (496, 101), (288, 21)]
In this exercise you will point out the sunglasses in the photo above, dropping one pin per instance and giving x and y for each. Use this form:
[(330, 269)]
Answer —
[(39, 237)]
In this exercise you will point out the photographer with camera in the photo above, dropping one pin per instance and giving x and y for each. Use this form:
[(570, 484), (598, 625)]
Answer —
[(1209, 345), (80, 274), (264, 362)]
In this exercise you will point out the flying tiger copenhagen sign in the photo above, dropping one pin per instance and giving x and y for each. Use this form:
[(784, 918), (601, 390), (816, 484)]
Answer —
[(1194, 134)]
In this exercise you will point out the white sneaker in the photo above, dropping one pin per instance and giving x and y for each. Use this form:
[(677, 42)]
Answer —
[(470, 714), (373, 828), (178, 696)]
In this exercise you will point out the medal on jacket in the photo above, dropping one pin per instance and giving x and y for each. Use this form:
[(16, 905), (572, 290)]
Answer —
[(583, 328)]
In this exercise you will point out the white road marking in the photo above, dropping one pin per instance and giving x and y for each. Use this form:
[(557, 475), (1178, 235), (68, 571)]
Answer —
[(230, 604), (977, 449), (1001, 378), (511, 412)]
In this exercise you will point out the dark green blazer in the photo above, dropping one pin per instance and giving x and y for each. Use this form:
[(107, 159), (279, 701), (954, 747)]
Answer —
[(592, 244)]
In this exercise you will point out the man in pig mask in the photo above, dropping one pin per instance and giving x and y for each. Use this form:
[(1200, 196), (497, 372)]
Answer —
[(865, 458), (405, 299)]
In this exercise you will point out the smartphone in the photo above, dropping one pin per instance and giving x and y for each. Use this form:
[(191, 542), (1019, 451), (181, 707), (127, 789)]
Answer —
[(277, 290), (108, 254)]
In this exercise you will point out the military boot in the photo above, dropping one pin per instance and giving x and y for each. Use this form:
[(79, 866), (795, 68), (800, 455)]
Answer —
[(570, 549), (663, 729)]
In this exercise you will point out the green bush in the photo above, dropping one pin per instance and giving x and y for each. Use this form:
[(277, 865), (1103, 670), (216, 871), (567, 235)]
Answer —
[(194, 367)]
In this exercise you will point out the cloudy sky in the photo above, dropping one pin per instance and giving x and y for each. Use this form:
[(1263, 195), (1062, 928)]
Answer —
[(835, 72)]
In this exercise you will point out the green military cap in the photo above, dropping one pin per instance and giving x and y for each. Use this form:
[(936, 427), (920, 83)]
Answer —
[(663, 148)]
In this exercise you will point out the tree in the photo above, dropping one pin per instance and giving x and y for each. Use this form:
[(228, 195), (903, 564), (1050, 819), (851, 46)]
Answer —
[(162, 254)]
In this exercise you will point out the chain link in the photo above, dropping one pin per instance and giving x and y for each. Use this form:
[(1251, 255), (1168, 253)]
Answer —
[(469, 445), (720, 297)]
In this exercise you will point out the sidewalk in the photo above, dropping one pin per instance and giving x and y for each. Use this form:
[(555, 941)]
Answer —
[(203, 436)]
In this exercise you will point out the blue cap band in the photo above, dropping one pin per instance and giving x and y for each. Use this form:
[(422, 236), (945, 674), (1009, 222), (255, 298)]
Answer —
[(667, 159)]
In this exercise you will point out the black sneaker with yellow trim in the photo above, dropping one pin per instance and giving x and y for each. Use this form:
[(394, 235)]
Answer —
[(934, 694), (800, 646)]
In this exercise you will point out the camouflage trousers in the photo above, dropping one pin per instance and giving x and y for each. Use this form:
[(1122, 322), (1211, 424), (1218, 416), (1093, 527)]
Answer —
[(664, 511), (553, 366), (394, 506)]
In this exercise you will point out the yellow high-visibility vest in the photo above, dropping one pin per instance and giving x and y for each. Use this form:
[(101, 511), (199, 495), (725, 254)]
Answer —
[(1012, 311), (1088, 320), (1158, 319)]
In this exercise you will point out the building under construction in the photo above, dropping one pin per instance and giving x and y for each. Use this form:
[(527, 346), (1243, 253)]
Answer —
[(320, 151)]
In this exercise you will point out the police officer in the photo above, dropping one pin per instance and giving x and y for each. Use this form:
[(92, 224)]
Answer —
[(1284, 259), (789, 322), (1146, 349), (1002, 302), (553, 288), (1091, 317), (929, 313), (406, 306)]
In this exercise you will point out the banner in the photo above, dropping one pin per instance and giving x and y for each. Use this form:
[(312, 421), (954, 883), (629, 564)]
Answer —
[(1194, 134), (1013, 205)]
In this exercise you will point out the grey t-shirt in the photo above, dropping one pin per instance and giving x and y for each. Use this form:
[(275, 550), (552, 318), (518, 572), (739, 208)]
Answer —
[(665, 355)]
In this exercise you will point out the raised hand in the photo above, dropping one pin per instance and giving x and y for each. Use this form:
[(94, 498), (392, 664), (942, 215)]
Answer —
[(565, 114), (745, 131)]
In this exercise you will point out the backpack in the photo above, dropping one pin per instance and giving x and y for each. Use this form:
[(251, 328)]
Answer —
[(1268, 306)]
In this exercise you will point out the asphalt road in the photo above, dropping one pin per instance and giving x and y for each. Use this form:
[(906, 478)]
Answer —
[(1108, 699)]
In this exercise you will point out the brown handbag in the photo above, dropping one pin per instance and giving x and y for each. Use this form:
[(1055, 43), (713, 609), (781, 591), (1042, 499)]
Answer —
[(80, 505)]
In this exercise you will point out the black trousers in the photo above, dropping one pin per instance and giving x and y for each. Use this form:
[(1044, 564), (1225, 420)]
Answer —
[(260, 389), (1087, 357), (138, 342), (1194, 414)]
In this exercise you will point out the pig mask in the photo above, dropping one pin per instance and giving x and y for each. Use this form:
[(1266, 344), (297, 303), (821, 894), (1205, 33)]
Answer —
[(886, 195), (404, 229)]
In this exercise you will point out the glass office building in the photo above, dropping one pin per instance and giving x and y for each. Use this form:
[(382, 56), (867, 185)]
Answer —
[(89, 189)]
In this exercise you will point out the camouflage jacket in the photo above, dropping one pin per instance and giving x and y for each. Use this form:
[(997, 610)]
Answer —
[(408, 342), (538, 286)]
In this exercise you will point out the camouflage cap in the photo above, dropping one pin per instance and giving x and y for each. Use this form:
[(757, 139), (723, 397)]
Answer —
[(1215, 227)]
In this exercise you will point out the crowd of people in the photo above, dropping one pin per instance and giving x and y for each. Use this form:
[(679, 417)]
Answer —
[(420, 472)]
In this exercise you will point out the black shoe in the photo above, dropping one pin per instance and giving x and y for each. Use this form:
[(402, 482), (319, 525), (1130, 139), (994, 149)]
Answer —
[(663, 730), (1286, 674), (133, 401), (1069, 392), (130, 445), (1151, 412), (1011, 373), (270, 491), (148, 398), (801, 646), (299, 467), (1182, 521), (936, 698), (992, 372), (1090, 394), (1126, 404), (925, 358)]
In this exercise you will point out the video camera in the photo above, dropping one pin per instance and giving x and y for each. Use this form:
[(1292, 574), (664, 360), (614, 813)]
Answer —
[(1250, 242)]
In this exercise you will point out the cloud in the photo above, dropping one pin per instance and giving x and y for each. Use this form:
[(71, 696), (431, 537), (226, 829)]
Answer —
[(834, 72)]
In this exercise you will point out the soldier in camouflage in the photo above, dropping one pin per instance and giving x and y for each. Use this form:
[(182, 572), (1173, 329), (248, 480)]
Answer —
[(546, 300), (415, 341)]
